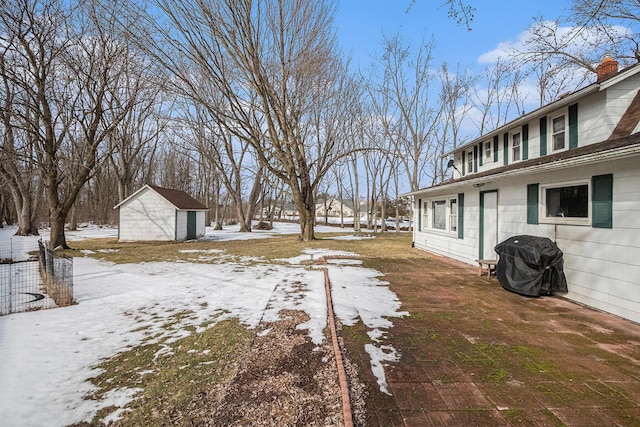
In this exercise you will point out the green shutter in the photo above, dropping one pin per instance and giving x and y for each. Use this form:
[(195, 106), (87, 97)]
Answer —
[(573, 126), (475, 158), (543, 136), (175, 226), (496, 138), (602, 201), (461, 216), (419, 214), (464, 162), (525, 142), (505, 143), (532, 204), (481, 149)]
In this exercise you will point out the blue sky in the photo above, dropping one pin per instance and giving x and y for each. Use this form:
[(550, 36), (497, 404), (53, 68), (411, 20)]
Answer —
[(360, 24)]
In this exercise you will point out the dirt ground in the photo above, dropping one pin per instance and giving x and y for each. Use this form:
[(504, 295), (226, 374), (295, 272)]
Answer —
[(473, 354)]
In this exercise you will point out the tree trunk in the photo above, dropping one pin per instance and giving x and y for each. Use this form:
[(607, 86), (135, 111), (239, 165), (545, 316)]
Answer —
[(73, 221), (57, 239), (253, 197), (26, 219), (303, 197), (356, 198), (306, 225), (217, 217)]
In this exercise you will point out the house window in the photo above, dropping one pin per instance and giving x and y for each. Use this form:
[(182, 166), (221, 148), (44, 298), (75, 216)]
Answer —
[(566, 203), (470, 162), (558, 132), (515, 147), (444, 215), (439, 209), (425, 215), (488, 152), (453, 215)]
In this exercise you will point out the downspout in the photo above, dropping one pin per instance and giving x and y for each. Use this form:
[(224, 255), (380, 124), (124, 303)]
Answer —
[(118, 223)]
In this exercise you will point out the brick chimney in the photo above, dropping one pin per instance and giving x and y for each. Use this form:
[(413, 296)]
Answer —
[(607, 68)]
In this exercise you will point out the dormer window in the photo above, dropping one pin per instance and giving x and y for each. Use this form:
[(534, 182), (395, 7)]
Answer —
[(558, 132), (515, 146)]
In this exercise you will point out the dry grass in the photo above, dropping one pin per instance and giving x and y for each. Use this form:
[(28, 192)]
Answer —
[(59, 292), (383, 245), (173, 382), (200, 377)]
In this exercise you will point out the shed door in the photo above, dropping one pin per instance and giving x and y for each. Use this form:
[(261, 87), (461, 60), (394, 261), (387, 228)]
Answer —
[(488, 224), (191, 225)]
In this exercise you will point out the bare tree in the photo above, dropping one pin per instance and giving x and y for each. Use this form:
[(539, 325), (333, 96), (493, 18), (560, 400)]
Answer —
[(460, 11), (268, 61), (137, 137), (455, 89), (400, 97), (562, 58), (68, 62), (232, 159), (497, 96), (607, 16), (18, 168)]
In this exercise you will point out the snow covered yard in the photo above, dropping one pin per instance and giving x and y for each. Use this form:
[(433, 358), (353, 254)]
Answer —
[(47, 357)]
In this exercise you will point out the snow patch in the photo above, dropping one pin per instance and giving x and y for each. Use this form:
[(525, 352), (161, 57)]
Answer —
[(120, 305)]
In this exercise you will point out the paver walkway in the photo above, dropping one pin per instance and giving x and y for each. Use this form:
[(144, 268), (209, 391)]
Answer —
[(473, 354)]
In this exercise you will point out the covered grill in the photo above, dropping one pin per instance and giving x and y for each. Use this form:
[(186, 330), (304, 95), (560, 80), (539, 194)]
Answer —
[(531, 266)]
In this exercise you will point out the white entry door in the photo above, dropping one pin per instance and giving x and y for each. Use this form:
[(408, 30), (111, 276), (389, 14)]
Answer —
[(489, 226)]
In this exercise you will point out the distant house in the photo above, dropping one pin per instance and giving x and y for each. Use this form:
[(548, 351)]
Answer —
[(568, 171), (334, 207), (160, 214)]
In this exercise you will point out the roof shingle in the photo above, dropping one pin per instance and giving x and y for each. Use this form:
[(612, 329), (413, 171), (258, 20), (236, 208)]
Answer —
[(180, 199)]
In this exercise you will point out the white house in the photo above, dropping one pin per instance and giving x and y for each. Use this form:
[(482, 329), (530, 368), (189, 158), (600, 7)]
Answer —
[(569, 171), (333, 207), (160, 214)]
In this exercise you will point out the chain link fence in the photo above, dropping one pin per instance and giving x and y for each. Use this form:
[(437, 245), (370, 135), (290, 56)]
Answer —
[(33, 277)]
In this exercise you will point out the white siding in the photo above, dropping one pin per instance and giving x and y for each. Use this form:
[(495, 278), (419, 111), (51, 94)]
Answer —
[(602, 265), (200, 223), (181, 225), (594, 123), (449, 244), (598, 115), (148, 216)]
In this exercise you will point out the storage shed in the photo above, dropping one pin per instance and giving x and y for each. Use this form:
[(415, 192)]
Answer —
[(160, 214)]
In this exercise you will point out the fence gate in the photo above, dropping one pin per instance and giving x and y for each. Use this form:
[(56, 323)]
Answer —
[(35, 283)]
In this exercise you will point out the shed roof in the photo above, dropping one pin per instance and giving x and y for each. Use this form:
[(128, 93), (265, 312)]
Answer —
[(177, 198)]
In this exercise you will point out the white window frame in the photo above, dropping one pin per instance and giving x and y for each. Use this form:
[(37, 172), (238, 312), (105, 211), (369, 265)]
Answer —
[(488, 152), (551, 139), (470, 161), (512, 138), (453, 214), (451, 218), (425, 215), (564, 220)]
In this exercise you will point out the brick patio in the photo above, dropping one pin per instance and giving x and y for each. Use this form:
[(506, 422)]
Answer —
[(473, 354)]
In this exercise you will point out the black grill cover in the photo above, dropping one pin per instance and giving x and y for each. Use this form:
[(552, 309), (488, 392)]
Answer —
[(530, 266)]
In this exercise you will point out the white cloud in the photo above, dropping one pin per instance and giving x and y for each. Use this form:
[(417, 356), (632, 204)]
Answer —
[(573, 39)]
